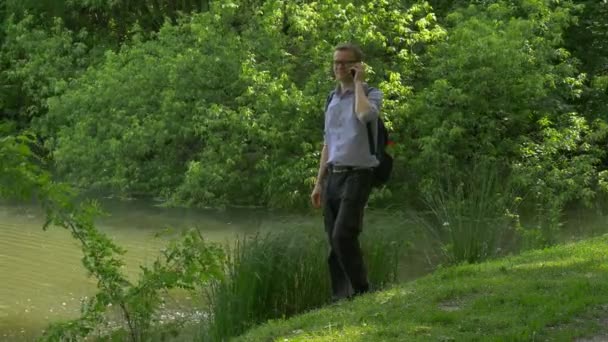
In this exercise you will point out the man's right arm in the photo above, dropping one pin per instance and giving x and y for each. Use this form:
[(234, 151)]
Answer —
[(315, 197), (322, 167)]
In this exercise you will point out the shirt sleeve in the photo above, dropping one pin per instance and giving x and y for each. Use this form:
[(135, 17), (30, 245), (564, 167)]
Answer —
[(375, 101)]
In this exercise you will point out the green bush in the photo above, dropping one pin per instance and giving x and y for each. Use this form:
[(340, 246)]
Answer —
[(36, 63), (187, 115), (561, 166), (502, 90), (489, 82)]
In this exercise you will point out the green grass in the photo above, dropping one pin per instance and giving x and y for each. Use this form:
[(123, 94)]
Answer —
[(552, 294)]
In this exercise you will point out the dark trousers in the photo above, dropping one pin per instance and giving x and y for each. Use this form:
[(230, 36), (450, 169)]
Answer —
[(344, 198)]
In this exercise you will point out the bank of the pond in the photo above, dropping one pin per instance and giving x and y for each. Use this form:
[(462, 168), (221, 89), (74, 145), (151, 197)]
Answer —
[(559, 293)]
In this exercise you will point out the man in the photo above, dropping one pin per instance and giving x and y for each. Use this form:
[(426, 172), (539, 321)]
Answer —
[(344, 180)]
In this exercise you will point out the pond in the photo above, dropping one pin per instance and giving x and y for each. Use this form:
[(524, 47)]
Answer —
[(41, 273)]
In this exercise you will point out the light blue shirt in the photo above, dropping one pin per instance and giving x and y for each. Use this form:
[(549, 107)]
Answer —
[(346, 136)]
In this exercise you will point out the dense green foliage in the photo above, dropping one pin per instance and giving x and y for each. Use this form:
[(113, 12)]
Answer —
[(189, 114), (504, 97), (185, 101)]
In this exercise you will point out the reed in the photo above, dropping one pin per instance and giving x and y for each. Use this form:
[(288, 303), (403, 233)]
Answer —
[(469, 216), (281, 274)]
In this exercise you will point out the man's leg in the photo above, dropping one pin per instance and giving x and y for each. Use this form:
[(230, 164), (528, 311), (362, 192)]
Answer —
[(348, 226), (340, 284)]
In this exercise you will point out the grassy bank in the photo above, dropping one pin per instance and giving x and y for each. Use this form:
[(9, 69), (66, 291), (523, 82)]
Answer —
[(559, 293)]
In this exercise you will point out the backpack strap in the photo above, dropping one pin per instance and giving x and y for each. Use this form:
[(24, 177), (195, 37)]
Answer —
[(370, 139), (370, 134), (329, 97)]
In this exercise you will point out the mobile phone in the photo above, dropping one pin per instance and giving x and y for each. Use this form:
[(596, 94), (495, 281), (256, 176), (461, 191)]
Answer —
[(353, 72)]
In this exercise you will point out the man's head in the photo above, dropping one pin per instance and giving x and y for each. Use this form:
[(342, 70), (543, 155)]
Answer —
[(345, 56)]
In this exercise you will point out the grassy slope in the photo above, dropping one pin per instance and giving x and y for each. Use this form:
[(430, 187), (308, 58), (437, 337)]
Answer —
[(552, 294)]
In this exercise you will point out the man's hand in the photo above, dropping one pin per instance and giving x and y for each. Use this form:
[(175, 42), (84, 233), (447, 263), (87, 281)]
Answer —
[(315, 197), (359, 69)]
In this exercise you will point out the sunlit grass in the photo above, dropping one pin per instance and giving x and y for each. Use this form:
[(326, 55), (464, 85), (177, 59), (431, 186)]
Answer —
[(551, 294)]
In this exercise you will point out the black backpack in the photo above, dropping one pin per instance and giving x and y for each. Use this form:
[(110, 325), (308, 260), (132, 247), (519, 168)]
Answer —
[(382, 172)]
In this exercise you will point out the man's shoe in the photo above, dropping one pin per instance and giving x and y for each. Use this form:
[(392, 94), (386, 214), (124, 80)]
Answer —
[(359, 292)]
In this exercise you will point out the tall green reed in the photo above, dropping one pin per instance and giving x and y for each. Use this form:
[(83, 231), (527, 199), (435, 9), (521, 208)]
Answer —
[(285, 272), (471, 215), (385, 244), (269, 275)]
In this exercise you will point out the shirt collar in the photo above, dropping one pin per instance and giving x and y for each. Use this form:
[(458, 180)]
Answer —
[(339, 88)]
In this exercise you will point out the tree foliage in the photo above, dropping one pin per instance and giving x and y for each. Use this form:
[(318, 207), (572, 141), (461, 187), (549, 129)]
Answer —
[(488, 83), (193, 112), (219, 103)]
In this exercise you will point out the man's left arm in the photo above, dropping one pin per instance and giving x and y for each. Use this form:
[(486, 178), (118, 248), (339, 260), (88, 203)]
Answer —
[(367, 108)]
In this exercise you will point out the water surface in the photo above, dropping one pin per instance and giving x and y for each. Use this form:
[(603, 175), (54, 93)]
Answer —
[(41, 273)]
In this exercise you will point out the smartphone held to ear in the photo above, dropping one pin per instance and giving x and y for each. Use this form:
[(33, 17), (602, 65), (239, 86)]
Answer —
[(353, 72)]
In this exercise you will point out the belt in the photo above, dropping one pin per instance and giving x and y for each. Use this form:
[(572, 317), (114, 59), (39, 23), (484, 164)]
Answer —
[(343, 168)]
